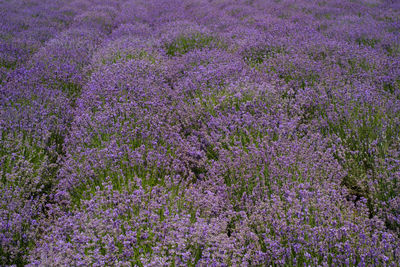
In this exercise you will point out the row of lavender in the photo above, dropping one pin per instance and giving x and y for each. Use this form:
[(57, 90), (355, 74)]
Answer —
[(25, 26), (36, 107), (152, 133)]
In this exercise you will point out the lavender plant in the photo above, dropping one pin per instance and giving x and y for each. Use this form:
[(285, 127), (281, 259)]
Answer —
[(199, 133)]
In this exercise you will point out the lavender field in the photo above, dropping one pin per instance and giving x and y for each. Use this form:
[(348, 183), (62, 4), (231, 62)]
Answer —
[(199, 133)]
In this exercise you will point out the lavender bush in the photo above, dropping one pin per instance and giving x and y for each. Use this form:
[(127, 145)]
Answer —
[(199, 133)]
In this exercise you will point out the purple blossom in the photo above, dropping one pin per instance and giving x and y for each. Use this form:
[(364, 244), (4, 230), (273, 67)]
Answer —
[(199, 133)]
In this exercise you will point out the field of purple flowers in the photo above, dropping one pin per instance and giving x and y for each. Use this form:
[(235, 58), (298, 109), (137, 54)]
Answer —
[(199, 133)]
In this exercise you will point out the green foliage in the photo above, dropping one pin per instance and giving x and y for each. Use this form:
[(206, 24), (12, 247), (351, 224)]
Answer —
[(392, 87), (356, 65), (9, 65), (392, 49), (371, 42), (367, 135), (186, 43), (71, 89), (256, 56)]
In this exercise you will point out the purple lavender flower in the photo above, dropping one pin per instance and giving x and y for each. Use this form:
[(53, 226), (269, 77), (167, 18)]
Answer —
[(199, 133)]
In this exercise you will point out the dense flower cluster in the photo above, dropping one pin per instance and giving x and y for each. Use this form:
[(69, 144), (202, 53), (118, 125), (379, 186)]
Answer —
[(199, 133)]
